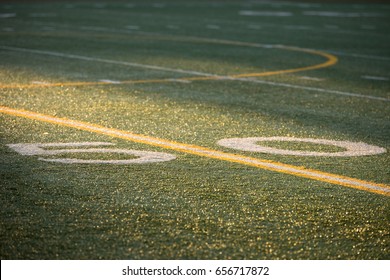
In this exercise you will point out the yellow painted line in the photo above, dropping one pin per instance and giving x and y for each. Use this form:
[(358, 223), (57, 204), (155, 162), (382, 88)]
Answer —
[(330, 60), (205, 152)]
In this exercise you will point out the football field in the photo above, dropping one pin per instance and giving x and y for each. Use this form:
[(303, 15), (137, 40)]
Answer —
[(194, 130)]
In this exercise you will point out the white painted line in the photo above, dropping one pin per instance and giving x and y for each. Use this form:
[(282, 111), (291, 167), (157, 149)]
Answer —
[(366, 56), (305, 5), (132, 27), (40, 83), (196, 73), (351, 94), (340, 14), (179, 81), (43, 15), (110, 81), (265, 13), (98, 28), (311, 78), (213, 26), (253, 26), (375, 78), (7, 15), (109, 61)]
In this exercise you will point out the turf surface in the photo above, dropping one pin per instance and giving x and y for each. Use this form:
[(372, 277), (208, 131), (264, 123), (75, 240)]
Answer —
[(178, 71)]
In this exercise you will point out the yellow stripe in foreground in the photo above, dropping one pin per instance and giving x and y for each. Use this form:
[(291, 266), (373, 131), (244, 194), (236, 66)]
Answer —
[(205, 152)]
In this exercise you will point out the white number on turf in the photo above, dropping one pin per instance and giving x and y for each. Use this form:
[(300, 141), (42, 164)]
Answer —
[(252, 145), (37, 149)]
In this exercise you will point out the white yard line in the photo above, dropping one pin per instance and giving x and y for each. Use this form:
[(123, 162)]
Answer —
[(365, 56), (341, 14), (109, 61), (110, 81), (195, 73), (265, 13), (351, 94), (250, 26), (376, 78)]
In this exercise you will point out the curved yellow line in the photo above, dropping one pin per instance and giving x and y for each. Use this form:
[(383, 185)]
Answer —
[(330, 60)]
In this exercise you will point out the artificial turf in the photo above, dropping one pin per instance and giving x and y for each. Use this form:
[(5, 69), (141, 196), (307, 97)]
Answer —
[(193, 207)]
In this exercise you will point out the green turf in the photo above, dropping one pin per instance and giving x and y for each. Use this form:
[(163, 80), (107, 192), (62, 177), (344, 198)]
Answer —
[(193, 207)]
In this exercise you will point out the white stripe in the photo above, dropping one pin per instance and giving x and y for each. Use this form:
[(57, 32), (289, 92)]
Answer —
[(109, 81), (196, 73), (377, 57), (315, 89), (7, 15), (265, 13), (95, 59), (213, 26), (311, 78), (340, 14), (376, 78)]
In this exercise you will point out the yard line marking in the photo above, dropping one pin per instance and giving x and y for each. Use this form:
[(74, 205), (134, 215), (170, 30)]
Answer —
[(205, 152), (341, 14), (102, 60), (376, 78), (376, 57), (330, 59), (132, 27), (265, 13), (201, 75), (7, 15), (213, 26), (311, 78), (109, 81), (351, 94)]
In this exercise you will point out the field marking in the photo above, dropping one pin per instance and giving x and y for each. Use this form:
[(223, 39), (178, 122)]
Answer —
[(330, 59), (37, 149), (351, 149), (205, 152), (363, 56), (200, 76), (265, 13), (376, 78), (7, 15), (311, 78), (341, 14), (109, 61), (109, 81)]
